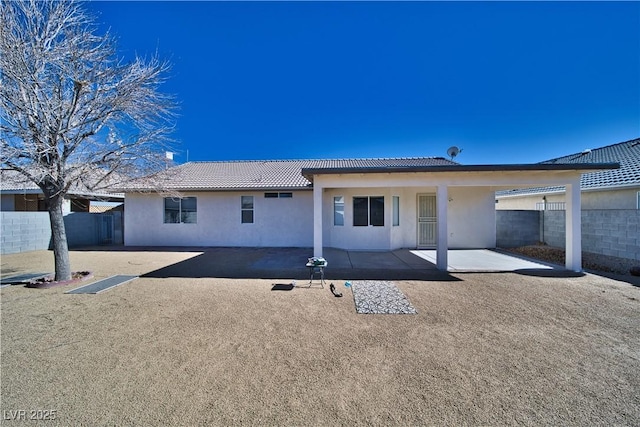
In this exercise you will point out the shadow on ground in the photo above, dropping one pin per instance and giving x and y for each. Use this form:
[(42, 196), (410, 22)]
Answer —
[(632, 280), (289, 263), (543, 272)]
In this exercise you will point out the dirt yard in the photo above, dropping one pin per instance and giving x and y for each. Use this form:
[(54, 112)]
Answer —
[(484, 349)]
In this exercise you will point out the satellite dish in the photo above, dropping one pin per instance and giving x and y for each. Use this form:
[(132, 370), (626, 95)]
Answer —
[(453, 151)]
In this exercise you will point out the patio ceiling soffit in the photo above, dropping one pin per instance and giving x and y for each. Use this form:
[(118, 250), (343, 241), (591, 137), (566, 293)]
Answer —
[(309, 173)]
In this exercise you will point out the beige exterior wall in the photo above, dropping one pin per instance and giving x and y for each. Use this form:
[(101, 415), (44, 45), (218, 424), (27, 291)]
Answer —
[(615, 199), (608, 199), (277, 222), (470, 217), (289, 222)]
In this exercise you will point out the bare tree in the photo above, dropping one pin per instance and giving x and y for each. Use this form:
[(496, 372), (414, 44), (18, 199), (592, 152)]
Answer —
[(71, 111)]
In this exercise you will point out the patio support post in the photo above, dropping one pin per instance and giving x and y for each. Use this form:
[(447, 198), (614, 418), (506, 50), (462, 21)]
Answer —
[(317, 219), (442, 243), (573, 228)]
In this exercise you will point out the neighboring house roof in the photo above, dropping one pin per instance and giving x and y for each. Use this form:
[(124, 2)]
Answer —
[(105, 208), (270, 174), (13, 182), (627, 154)]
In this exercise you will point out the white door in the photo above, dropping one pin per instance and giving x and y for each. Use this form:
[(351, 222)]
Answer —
[(427, 220)]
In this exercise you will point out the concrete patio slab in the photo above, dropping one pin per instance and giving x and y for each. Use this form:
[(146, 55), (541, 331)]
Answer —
[(484, 260), (401, 264), (401, 259), (378, 260), (460, 260)]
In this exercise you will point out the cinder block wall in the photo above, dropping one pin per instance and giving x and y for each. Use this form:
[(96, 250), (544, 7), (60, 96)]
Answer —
[(517, 228), (604, 231), (24, 231), (31, 231), (553, 224), (613, 232)]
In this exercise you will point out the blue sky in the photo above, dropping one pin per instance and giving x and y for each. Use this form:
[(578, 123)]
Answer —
[(508, 82)]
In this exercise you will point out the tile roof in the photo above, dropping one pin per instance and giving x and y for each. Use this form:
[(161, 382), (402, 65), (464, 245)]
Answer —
[(627, 154), (12, 182), (273, 174)]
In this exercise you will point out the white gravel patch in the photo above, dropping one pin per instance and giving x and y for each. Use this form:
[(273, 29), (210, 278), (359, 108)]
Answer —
[(380, 297)]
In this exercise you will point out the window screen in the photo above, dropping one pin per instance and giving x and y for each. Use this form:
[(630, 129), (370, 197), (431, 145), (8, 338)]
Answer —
[(178, 211), (189, 210), (376, 211), (368, 211), (396, 211), (171, 210), (247, 209), (338, 210), (360, 211)]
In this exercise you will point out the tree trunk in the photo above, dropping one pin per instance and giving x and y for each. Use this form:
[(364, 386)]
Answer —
[(59, 238)]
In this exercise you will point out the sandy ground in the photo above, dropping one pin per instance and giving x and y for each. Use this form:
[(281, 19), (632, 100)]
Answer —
[(484, 349)]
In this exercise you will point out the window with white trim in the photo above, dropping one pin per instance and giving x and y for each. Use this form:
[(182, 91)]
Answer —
[(246, 207), (180, 210), (368, 211), (396, 211), (338, 210)]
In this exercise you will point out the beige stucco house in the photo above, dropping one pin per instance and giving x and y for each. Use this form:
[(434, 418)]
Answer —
[(352, 204)]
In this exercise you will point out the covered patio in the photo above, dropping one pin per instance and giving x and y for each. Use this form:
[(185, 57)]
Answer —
[(464, 208)]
